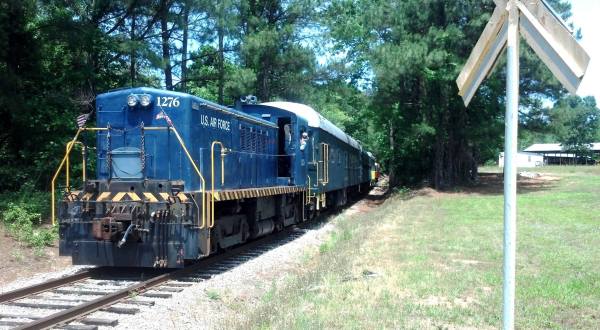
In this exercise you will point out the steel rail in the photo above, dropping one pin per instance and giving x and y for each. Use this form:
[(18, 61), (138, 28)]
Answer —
[(77, 312), (48, 285)]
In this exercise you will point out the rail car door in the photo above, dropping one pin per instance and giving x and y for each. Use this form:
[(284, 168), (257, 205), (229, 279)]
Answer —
[(285, 147), (344, 166)]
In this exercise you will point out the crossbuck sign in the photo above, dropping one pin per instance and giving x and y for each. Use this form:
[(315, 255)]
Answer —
[(552, 41)]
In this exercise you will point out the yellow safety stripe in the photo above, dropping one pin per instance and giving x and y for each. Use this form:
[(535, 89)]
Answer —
[(103, 196), (150, 197), (119, 196), (225, 195), (183, 197), (134, 197), (222, 195)]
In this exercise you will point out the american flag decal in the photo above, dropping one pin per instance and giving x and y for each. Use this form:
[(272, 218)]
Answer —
[(163, 115), (82, 119)]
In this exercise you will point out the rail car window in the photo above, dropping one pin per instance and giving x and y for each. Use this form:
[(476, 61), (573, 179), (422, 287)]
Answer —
[(257, 141), (252, 140), (262, 142), (244, 138)]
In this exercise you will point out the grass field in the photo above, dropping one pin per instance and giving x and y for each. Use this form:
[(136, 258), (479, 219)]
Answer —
[(434, 260)]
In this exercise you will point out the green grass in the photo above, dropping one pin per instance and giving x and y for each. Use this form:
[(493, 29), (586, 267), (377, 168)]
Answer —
[(213, 294), (435, 260)]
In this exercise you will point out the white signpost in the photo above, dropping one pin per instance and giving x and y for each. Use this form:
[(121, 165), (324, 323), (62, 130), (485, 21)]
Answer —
[(553, 42)]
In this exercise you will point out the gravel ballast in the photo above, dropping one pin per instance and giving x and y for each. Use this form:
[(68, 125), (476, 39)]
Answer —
[(201, 306)]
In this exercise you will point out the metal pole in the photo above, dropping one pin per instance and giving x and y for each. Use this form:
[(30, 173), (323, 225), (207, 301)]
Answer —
[(510, 176)]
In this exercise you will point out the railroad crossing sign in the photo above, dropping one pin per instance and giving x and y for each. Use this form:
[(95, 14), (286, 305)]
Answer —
[(544, 31), (552, 41)]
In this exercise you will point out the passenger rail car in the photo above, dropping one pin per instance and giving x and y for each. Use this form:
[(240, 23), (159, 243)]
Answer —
[(179, 177)]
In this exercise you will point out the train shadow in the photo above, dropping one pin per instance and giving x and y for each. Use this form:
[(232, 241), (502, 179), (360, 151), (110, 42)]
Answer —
[(493, 183), (487, 183), (286, 236)]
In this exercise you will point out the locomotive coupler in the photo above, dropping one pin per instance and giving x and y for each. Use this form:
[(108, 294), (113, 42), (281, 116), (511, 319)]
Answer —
[(106, 229), (117, 226)]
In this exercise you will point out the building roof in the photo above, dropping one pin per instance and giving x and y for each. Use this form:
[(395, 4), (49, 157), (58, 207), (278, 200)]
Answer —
[(555, 147), (314, 119), (523, 153)]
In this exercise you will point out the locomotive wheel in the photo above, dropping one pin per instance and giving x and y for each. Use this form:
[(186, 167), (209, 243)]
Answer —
[(245, 231), (278, 226)]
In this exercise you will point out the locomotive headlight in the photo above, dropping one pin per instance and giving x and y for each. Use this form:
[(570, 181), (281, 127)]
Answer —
[(145, 100), (132, 100)]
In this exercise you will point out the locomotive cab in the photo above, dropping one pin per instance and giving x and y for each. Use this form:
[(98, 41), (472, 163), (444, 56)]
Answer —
[(292, 140)]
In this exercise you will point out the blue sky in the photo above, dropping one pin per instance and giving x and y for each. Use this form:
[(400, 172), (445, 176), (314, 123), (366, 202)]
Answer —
[(586, 15)]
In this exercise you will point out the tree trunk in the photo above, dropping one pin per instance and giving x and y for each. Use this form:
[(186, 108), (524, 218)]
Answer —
[(132, 64), (166, 54), (184, 47), (438, 165), (263, 77), (221, 59), (454, 159), (392, 166), (93, 54)]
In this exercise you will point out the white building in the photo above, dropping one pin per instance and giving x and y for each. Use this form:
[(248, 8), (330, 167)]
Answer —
[(524, 159), (555, 155)]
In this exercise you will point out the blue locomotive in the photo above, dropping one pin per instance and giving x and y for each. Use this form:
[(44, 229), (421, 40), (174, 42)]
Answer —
[(179, 177)]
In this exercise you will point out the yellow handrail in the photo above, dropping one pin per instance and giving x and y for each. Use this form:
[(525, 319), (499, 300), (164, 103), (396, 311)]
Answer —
[(317, 165), (205, 212), (325, 163), (102, 128), (212, 177), (83, 163), (74, 141), (189, 156), (68, 148), (62, 163), (308, 196)]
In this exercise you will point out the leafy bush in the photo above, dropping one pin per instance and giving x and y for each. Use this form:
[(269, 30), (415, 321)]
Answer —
[(402, 191), (23, 222)]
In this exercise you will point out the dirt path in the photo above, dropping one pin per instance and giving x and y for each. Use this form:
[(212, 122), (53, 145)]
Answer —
[(376, 196), (19, 261)]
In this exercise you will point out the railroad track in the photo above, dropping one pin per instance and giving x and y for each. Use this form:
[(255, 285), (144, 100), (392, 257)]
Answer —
[(66, 302)]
